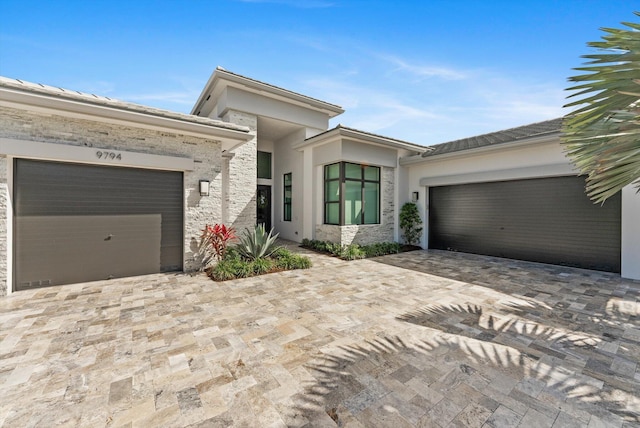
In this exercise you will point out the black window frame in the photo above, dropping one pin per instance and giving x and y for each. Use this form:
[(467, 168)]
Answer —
[(342, 179), (286, 204), (270, 164)]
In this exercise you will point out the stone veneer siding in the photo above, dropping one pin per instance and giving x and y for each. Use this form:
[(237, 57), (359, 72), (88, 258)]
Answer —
[(366, 233), (47, 128), (240, 175), (4, 196)]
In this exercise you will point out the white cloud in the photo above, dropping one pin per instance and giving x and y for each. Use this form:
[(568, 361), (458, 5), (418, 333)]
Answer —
[(426, 113), (424, 70)]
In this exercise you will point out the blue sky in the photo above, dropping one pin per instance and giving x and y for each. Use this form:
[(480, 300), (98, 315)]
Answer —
[(424, 71)]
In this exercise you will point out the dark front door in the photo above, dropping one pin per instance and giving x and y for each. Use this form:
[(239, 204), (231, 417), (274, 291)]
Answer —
[(548, 220), (76, 222), (263, 202)]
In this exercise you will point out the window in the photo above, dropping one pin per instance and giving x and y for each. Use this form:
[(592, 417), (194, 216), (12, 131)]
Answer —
[(351, 194), (287, 197), (264, 164)]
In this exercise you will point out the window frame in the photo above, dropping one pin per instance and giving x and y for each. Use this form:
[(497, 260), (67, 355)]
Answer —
[(259, 152), (342, 179), (286, 204)]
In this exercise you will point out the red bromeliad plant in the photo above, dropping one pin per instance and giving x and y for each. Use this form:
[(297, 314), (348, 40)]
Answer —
[(217, 237)]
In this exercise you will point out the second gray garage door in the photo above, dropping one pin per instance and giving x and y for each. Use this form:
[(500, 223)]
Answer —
[(548, 220), (76, 222)]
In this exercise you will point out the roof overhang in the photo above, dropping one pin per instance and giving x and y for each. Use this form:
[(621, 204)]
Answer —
[(340, 133), (120, 113), (222, 79), (510, 145)]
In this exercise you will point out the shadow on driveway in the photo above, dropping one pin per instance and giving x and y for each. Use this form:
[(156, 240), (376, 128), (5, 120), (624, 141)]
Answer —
[(531, 344)]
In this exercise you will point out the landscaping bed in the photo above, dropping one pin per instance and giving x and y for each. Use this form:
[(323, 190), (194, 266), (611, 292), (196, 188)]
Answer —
[(234, 266), (256, 253), (356, 251)]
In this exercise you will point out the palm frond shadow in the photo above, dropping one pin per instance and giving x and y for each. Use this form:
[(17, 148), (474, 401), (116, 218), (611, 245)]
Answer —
[(475, 322), (470, 352), (515, 278)]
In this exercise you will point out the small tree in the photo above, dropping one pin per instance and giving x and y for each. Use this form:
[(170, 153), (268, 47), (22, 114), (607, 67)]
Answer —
[(410, 223)]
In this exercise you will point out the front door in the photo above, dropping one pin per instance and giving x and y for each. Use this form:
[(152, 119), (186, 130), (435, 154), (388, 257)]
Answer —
[(263, 203)]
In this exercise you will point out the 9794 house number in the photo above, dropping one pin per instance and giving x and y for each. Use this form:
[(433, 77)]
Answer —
[(108, 155)]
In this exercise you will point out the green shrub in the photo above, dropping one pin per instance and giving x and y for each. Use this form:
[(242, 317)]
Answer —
[(243, 268), (293, 261), (232, 254), (257, 243), (334, 249), (381, 249), (223, 271), (234, 265), (285, 259), (280, 252), (352, 252), (410, 223), (261, 266), (299, 261)]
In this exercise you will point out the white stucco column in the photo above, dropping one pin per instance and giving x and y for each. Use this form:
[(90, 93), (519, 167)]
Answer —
[(630, 233), (307, 194)]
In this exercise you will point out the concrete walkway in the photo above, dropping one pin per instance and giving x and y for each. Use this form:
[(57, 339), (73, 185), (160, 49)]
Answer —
[(421, 339)]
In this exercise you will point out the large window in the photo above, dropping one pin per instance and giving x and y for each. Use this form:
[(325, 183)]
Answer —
[(351, 194), (287, 197), (264, 164)]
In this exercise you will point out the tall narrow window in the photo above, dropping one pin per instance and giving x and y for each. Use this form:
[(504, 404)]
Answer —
[(351, 194), (332, 194), (264, 164), (287, 197)]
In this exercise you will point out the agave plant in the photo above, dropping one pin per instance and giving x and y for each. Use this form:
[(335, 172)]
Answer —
[(602, 136), (257, 243)]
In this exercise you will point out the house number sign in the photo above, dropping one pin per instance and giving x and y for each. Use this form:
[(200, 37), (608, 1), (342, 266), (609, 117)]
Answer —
[(108, 156)]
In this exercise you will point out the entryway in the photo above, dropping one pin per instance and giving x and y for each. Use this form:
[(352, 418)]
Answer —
[(263, 204)]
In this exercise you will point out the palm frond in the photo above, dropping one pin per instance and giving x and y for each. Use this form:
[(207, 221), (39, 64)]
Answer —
[(602, 136)]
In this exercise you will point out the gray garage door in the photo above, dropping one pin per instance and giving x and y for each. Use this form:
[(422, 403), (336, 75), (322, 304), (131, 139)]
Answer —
[(548, 220), (76, 222)]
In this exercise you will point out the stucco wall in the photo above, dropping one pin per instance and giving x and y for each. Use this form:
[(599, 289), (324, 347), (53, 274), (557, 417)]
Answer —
[(53, 129), (538, 158), (286, 160), (498, 163), (630, 232)]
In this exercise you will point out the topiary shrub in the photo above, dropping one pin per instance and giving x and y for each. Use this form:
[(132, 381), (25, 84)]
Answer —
[(410, 223)]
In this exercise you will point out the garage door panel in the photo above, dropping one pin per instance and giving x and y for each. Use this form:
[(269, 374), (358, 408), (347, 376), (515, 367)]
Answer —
[(82, 244), (76, 223), (549, 220)]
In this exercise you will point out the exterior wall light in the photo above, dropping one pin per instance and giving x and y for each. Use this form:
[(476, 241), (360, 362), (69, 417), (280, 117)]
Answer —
[(414, 196), (204, 187)]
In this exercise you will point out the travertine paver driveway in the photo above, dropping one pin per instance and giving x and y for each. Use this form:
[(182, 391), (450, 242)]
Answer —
[(415, 339)]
